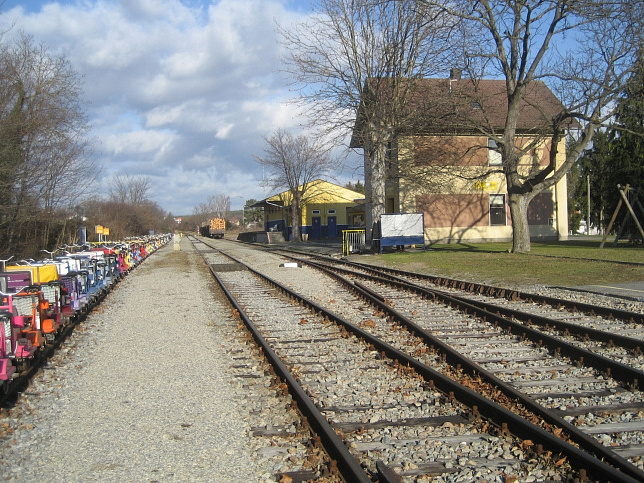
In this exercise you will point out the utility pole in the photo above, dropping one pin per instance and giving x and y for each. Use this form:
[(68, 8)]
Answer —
[(588, 214)]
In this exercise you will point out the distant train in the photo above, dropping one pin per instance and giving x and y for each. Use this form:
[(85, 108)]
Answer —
[(213, 228)]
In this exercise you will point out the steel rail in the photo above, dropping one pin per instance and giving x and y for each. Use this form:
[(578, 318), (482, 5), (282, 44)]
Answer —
[(630, 343), (510, 294), (617, 370), (587, 333), (454, 358), (480, 405), (347, 465), (490, 290)]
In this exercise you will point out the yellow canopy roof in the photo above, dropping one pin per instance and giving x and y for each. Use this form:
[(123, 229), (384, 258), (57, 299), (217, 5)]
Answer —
[(39, 273)]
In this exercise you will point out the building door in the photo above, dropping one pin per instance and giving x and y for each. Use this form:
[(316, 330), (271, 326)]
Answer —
[(332, 222), (316, 227)]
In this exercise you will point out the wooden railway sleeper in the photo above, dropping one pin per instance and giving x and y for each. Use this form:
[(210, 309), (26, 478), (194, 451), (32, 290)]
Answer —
[(350, 469), (586, 440), (528, 297), (387, 474), (575, 452), (621, 374), (474, 414), (519, 427)]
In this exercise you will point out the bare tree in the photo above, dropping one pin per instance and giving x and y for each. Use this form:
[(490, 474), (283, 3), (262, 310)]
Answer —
[(45, 158), (584, 50), (117, 188), (125, 219), (133, 190), (200, 211), (293, 163), (218, 205), (140, 190), (354, 63)]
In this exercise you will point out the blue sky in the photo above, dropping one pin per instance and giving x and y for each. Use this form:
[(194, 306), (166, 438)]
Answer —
[(35, 5), (180, 91)]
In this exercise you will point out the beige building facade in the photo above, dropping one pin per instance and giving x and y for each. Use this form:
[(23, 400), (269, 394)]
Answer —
[(445, 162), (454, 182)]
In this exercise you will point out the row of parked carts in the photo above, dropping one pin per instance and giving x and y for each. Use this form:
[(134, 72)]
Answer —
[(40, 299)]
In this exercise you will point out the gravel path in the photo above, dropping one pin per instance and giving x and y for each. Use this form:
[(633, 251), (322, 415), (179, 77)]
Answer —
[(143, 390), (158, 384)]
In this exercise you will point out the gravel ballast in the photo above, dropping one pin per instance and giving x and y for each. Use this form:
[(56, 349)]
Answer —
[(142, 391), (158, 384)]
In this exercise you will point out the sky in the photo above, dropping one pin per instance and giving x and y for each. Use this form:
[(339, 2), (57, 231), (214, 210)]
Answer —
[(182, 92)]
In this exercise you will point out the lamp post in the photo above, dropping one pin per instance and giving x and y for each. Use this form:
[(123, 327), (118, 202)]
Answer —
[(588, 200), (243, 210)]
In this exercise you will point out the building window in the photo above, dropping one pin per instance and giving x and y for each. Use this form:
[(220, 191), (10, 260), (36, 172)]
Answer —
[(497, 210), (315, 212), (330, 212), (493, 155)]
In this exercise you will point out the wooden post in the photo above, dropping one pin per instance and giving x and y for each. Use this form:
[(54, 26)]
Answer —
[(612, 220), (630, 209)]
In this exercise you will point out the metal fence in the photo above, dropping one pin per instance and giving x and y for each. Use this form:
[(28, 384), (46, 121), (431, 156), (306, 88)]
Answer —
[(353, 241)]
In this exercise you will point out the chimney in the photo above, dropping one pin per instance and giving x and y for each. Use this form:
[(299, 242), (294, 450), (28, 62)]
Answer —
[(455, 74)]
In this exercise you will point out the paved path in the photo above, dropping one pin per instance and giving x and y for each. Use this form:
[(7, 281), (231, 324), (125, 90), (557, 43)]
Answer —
[(631, 290)]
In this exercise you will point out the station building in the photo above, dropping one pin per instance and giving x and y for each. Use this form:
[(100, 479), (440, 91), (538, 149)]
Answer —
[(444, 166), (327, 209)]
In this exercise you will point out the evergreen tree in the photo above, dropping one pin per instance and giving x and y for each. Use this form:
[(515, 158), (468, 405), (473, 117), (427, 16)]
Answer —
[(358, 187), (616, 158), (627, 138)]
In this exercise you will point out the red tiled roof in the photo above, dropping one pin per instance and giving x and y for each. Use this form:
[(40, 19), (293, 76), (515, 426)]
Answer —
[(462, 106)]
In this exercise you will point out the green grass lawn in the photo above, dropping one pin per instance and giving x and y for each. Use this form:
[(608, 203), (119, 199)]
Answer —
[(555, 263)]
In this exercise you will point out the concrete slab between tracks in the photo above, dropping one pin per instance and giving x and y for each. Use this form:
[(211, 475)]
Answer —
[(330, 248), (628, 290)]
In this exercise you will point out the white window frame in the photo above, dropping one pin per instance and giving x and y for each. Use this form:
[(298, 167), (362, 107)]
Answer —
[(330, 212), (315, 212), (497, 201), (493, 156)]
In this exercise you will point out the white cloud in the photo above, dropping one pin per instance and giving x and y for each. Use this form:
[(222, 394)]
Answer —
[(223, 131), (139, 143), (182, 91)]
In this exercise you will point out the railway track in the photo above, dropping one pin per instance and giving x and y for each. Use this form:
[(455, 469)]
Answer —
[(612, 333), (575, 385), (410, 384)]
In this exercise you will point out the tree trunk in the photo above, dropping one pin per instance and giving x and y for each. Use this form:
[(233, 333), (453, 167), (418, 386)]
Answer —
[(295, 218), (520, 228), (375, 170), (367, 160), (378, 180)]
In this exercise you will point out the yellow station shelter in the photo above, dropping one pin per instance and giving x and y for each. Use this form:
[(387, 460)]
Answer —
[(327, 209)]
